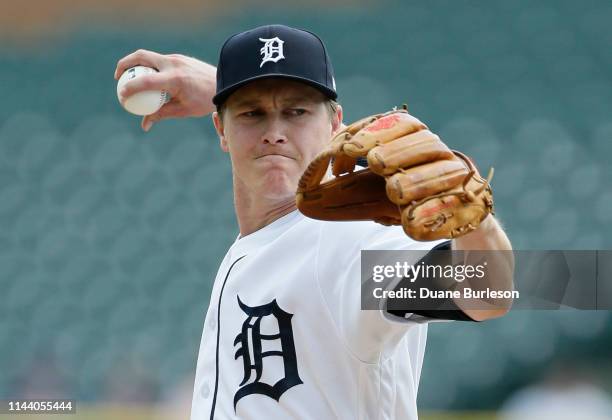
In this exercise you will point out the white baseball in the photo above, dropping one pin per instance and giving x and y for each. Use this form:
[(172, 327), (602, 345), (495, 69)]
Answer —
[(141, 103)]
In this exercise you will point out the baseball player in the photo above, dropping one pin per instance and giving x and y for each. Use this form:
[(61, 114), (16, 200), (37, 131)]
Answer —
[(284, 336)]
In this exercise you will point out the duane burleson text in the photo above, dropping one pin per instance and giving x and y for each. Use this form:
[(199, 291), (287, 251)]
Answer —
[(425, 293)]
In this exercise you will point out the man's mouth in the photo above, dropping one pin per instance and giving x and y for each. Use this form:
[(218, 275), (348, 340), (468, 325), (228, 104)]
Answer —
[(274, 154)]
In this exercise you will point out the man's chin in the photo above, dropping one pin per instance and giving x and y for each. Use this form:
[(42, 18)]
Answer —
[(278, 185)]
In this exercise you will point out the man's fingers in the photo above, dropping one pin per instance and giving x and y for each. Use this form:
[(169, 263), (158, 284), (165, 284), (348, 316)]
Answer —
[(139, 58), (169, 110), (153, 81), (146, 123)]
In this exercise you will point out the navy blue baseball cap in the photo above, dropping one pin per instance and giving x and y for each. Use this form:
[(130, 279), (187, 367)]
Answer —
[(273, 51)]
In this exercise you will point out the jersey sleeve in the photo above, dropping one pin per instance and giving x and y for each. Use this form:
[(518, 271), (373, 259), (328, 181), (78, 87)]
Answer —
[(451, 311), (367, 332), (394, 238)]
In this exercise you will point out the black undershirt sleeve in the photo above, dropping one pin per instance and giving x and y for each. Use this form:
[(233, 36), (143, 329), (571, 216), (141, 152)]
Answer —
[(451, 311)]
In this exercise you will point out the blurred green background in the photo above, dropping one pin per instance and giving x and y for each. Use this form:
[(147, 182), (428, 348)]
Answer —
[(110, 238)]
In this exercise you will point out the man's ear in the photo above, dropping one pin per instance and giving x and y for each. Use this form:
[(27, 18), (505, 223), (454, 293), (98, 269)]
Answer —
[(337, 120), (220, 131)]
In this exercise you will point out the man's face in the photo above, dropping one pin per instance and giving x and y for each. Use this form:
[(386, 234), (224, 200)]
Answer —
[(272, 129)]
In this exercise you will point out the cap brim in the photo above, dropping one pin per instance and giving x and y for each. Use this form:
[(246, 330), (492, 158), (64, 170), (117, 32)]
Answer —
[(222, 96)]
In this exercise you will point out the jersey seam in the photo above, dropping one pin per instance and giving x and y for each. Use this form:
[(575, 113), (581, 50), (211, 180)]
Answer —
[(214, 401), (327, 308)]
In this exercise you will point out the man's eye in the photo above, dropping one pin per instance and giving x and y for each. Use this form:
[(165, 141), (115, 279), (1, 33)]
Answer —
[(251, 113), (297, 111)]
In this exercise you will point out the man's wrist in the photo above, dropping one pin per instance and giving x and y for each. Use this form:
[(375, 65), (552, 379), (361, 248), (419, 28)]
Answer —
[(488, 224)]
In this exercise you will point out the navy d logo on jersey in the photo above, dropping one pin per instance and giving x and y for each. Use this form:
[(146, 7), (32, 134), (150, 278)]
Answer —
[(253, 357), (272, 50)]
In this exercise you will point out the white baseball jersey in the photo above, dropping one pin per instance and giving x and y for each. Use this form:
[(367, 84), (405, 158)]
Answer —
[(284, 335)]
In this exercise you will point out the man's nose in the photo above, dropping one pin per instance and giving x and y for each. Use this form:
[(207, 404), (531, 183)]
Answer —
[(274, 133)]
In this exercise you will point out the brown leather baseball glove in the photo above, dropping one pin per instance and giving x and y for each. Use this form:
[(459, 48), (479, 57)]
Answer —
[(412, 179)]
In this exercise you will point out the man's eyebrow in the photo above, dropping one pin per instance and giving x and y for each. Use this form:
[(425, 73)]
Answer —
[(247, 102), (303, 98)]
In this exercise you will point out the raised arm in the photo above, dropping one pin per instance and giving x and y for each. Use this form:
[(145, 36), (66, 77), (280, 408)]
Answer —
[(489, 236)]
